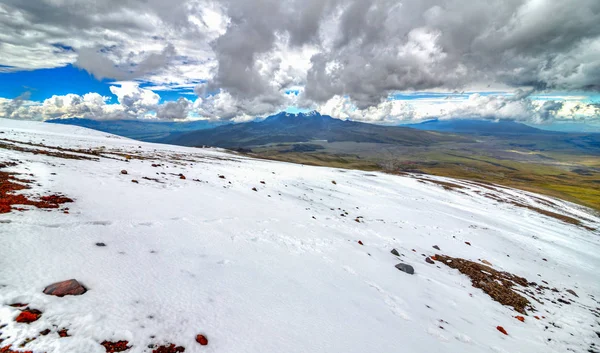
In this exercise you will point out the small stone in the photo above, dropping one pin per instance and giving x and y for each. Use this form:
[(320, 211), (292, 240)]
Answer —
[(395, 252), (360, 242), (570, 291), (469, 244), (406, 268), (333, 182), (222, 176), (501, 329), (100, 244), (429, 260), (135, 181), (262, 182), (63, 333), (45, 332), (202, 340), (254, 189), (123, 171), (60, 289), (436, 247), (181, 176), (520, 318)]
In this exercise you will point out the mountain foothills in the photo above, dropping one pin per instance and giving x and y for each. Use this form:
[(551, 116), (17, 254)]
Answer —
[(116, 245), (565, 165)]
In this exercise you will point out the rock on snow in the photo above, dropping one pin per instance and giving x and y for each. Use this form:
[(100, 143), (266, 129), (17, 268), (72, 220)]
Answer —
[(280, 269)]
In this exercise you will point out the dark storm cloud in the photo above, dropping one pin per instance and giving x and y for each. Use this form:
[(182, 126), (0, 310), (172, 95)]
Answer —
[(363, 49)]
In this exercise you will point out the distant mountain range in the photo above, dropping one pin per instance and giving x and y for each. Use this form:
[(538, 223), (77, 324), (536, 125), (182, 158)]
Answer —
[(151, 131), (286, 127), (473, 126)]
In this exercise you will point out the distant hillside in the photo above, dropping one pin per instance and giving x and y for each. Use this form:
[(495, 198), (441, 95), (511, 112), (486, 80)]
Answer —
[(473, 126), (285, 127), (150, 131)]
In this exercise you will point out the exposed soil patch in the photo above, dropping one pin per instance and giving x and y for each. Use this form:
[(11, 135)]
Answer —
[(112, 347), (169, 349), (9, 184), (28, 316), (8, 350), (446, 185), (58, 153), (496, 284)]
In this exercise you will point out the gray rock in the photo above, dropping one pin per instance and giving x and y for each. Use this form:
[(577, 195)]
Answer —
[(572, 292), (429, 260), (406, 268), (395, 252), (436, 247)]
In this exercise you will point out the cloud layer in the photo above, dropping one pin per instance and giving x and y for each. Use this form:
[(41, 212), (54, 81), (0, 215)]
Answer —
[(255, 57)]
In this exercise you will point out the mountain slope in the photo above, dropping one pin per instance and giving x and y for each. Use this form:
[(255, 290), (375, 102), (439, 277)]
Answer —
[(149, 131), (285, 127), (478, 126), (271, 257)]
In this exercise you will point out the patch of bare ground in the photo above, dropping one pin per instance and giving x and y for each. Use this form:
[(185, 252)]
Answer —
[(13, 147), (497, 284), (9, 184)]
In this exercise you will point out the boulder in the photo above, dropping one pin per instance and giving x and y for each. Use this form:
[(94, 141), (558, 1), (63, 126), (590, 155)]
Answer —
[(60, 289), (406, 268)]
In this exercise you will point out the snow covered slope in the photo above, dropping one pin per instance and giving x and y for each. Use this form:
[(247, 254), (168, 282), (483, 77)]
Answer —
[(193, 249)]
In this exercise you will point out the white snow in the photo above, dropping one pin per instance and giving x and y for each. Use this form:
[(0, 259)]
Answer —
[(255, 272)]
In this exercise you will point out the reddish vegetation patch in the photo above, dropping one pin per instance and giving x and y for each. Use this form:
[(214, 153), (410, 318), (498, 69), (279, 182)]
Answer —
[(9, 184), (202, 340), (28, 315), (64, 333), (169, 349), (501, 329), (520, 318), (496, 284), (112, 347), (8, 350)]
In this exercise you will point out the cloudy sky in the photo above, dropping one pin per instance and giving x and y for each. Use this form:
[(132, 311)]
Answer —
[(383, 61)]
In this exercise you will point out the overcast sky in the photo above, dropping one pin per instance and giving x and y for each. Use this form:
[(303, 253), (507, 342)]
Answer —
[(372, 60)]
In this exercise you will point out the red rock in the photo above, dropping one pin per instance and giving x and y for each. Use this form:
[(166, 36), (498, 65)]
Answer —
[(360, 242), (537, 317), (501, 329), (70, 287), (469, 244), (202, 340), (520, 318), (181, 176), (123, 171), (28, 316), (45, 332), (64, 333), (112, 347)]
